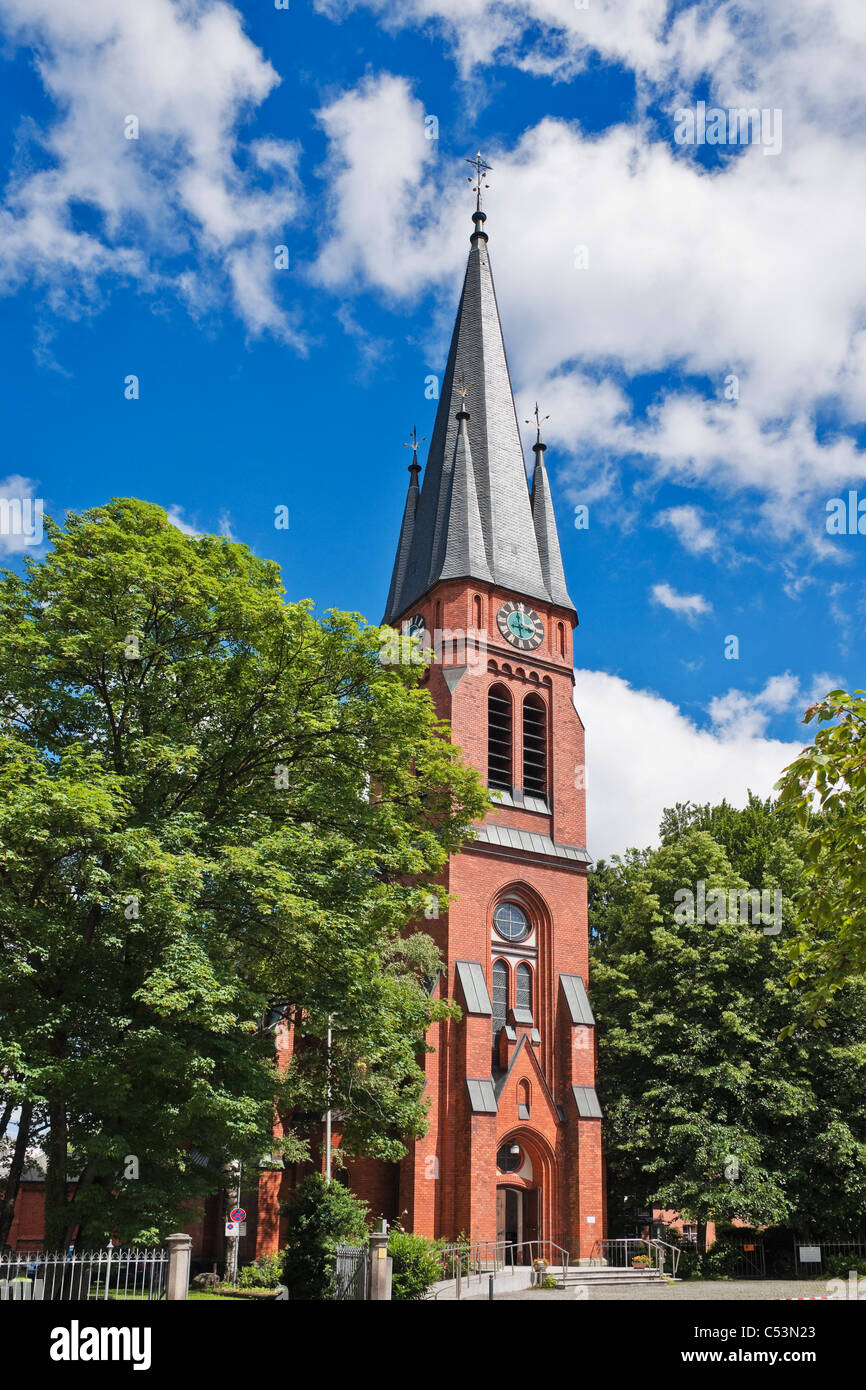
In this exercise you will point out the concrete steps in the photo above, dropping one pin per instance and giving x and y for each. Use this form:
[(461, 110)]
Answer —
[(605, 1274)]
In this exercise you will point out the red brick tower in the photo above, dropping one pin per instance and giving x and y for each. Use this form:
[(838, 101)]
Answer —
[(514, 1145)]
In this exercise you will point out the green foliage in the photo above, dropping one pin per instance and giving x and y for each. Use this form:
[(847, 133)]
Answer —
[(689, 1266), (721, 1260), (839, 1266), (826, 788), (548, 1282), (263, 1273), (320, 1217), (209, 800), (709, 1111), (417, 1265)]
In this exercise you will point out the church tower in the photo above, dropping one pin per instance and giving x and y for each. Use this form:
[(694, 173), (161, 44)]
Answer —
[(513, 1150)]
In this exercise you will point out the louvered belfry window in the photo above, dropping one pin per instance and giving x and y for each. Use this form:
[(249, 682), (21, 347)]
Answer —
[(499, 736), (534, 746)]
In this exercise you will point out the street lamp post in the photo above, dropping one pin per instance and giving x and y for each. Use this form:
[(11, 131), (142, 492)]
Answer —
[(328, 1111)]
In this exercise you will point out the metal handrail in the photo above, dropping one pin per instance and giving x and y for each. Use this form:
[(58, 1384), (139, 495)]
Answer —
[(675, 1254), (489, 1257), (654, 1244)]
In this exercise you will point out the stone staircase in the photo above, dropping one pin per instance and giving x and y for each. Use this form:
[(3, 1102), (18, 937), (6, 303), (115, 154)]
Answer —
[(589, 1275)]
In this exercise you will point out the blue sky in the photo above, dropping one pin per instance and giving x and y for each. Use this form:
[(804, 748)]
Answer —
[(308, 128)]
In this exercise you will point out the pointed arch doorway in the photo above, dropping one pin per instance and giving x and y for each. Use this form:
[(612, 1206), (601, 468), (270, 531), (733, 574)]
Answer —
[(518, 1199), (517, 1210)]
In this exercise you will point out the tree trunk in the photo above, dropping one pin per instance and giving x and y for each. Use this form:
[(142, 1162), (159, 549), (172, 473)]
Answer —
[(702, 1238), (16, 1168), (56, 1205), (6, 1117)]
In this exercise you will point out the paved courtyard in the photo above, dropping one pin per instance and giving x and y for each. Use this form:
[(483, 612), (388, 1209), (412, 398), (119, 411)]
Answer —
[(701, 1291)]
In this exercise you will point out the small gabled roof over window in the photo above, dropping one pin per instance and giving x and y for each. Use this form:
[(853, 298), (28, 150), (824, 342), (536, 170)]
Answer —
[(586, 1101), (576, 998), (474, 986), (482, 1096)]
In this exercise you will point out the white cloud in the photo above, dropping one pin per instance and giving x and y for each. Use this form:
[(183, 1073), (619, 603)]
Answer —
[(689, 606), (187, 208), (690, 529), (643, 754), (386, 215), (732, 271), (176, 518), (740, 713)]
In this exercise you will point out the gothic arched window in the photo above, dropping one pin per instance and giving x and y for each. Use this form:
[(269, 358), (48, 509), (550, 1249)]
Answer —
[(500, 997), (523, 987), (535, 746), (499, 738), (523, 1099)]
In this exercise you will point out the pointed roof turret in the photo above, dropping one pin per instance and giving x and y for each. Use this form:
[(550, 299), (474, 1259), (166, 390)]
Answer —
[(491, 462), (465, 555), (544, 521), (407, 529)]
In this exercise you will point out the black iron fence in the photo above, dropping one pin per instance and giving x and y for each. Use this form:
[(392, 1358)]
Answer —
[(815, 1259), (101, 1274), (351, 1272)]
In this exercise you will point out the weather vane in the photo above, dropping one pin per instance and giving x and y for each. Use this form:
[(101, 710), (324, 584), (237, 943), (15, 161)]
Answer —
[(481, 168), (414, 444), (539, 420), (463, 389)]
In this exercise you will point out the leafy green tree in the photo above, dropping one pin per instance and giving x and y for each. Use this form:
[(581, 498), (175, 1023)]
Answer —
[(709, 1111), (826, 787), (210, 801), (320, 1217)]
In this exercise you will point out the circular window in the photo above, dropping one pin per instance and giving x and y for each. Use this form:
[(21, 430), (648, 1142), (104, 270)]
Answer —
[(511, 922), (509, 1158)]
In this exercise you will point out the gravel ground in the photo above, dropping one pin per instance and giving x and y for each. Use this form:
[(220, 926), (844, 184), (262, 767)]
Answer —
[(710, 1291)]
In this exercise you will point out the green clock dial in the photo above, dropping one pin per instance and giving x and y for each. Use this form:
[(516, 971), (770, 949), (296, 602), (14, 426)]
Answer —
[(417, 625), (521, 626)]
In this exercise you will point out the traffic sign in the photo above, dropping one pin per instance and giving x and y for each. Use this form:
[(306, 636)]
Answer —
[(238, 1214), (236, 1228)]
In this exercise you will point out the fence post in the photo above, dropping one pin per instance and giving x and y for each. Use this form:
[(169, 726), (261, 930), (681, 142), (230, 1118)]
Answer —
[(179, 1254), (380, 1264)]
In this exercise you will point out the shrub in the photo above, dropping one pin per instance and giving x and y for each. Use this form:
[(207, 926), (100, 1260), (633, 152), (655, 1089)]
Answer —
[(320, 1217), (689, 1266), (839, 1266), (548, 1282), (263, 1273), (721, 1258), (417, 1265)]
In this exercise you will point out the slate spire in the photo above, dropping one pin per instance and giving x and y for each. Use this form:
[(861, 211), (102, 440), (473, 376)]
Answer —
[(544, 521), (501, 546), (464, 539), (407, 531)]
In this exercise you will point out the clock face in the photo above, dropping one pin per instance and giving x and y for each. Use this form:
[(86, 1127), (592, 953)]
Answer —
[(417, 625), (521, 626)]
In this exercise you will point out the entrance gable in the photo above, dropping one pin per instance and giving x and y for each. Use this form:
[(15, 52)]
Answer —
[(523, 1095)]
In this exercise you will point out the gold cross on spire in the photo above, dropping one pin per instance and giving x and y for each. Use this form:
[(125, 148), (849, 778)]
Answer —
[(481, 168)]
